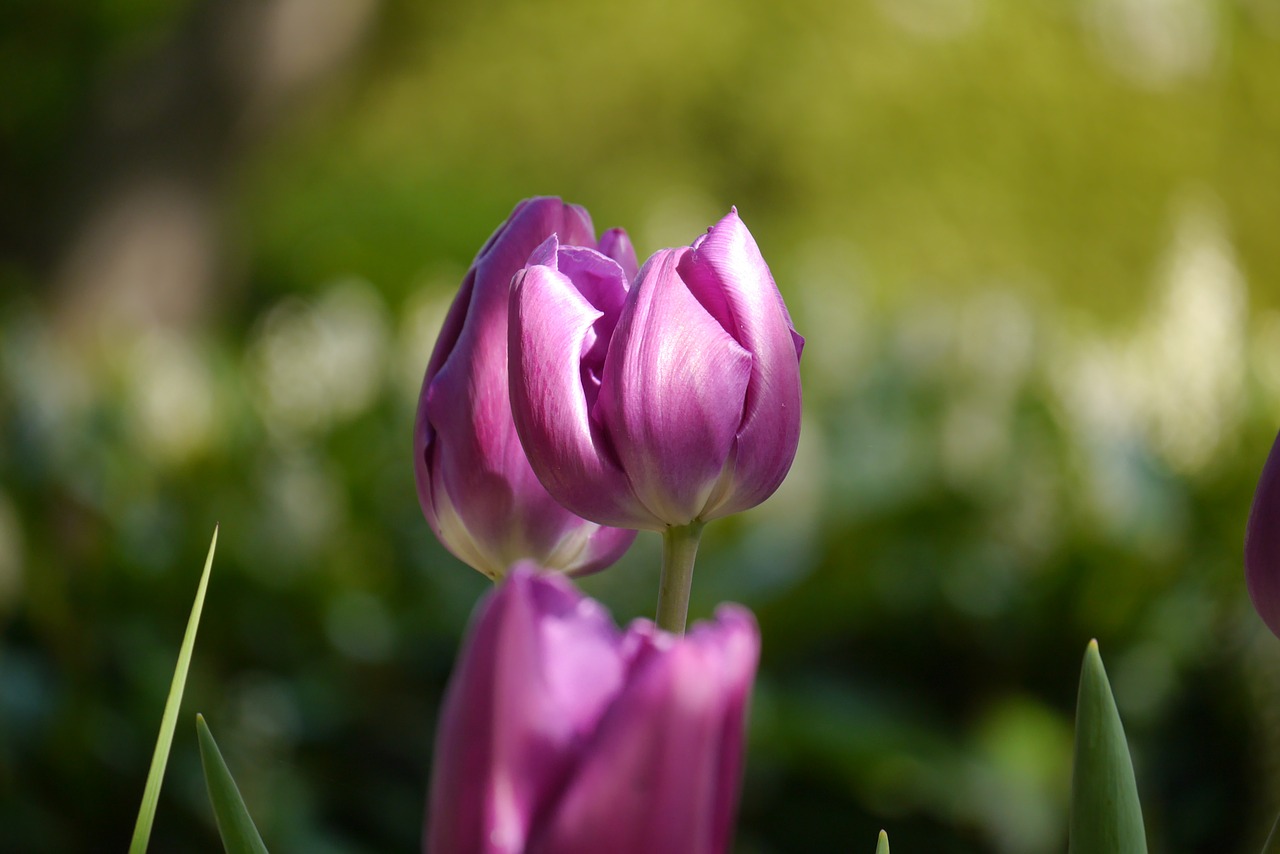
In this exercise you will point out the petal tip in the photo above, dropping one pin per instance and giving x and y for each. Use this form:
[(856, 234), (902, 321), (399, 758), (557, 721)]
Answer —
[(545, 254)]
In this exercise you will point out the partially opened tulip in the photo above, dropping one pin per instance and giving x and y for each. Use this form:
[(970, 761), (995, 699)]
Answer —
[(474, 482), (662, 403), (559, 733), (1262, 543)]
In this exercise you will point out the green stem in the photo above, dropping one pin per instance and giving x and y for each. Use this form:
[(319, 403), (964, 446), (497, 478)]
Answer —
[(679, 548)]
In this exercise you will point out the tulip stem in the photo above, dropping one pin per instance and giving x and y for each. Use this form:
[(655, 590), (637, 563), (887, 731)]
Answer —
[(679, 548)]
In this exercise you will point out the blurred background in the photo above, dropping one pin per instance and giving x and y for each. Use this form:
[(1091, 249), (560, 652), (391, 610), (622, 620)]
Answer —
[(1032, 245)]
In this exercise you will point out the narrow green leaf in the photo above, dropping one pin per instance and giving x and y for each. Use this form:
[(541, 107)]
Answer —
[(1106, 817), (1272, 845), (159, 759), (882, 847), (239, 835)]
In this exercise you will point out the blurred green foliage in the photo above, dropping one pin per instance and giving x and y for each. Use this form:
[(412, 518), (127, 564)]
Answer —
[(1032, 247)]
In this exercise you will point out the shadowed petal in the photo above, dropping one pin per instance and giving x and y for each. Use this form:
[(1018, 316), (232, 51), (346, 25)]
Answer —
[(662, 773), (424, 436), (537, 672), (616, 244), (1262, 543)]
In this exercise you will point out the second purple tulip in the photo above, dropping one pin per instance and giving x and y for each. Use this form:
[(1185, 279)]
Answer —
[(474, 482), (665, 402)]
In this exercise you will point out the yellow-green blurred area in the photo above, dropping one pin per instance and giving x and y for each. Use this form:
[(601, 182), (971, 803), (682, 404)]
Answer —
[(1033, 246)]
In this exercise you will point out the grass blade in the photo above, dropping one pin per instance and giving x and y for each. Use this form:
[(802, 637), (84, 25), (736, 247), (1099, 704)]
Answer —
[(151, 793), (1106, 817), (882, 844), (1272, 845), (235, 826)]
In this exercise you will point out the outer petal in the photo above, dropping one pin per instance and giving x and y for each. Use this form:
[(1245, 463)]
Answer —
[(673, 392), (425, 446), (1262, 543), (662, 773), (553, 327), (727, 274), (737, 638), (539, 667), (474, 483)]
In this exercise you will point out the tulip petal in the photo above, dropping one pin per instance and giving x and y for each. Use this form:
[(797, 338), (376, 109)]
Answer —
[(735, 630), (727, 274), (508, 250), (597, 279), (662, 772), (424, 434), (553, 325), (464, 408), (616, 244), (537, 672), (1262, 543), (673, 392), (603, 548)]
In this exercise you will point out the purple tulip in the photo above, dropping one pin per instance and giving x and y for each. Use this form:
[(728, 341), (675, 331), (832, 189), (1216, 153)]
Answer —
[(474, 482), (559, 733), (1262, 543), (671, 401)]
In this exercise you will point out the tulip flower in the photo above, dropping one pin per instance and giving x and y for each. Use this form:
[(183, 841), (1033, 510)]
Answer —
[(1262, 543), (668, 402), (475, 484), (560, 733)]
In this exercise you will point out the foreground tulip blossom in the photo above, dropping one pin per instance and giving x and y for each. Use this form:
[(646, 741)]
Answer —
[(1262, 543), (474, 482), (559, 733), (668, 402)]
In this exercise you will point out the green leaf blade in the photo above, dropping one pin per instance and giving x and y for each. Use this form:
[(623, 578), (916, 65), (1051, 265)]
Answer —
[(1272, 845), (1106, 817), (882, 845), (169, 720), (235, 826)]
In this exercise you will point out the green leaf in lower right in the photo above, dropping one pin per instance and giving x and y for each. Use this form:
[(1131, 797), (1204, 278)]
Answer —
[(239, 835), (1106, 817)]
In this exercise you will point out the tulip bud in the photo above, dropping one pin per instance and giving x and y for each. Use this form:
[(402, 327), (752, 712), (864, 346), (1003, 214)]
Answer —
[(666, 402), (561, 733), (474, 482), (1262, 543)]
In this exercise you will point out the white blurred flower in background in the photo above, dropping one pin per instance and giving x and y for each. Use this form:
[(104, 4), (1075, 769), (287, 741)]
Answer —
[(315, 365)]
